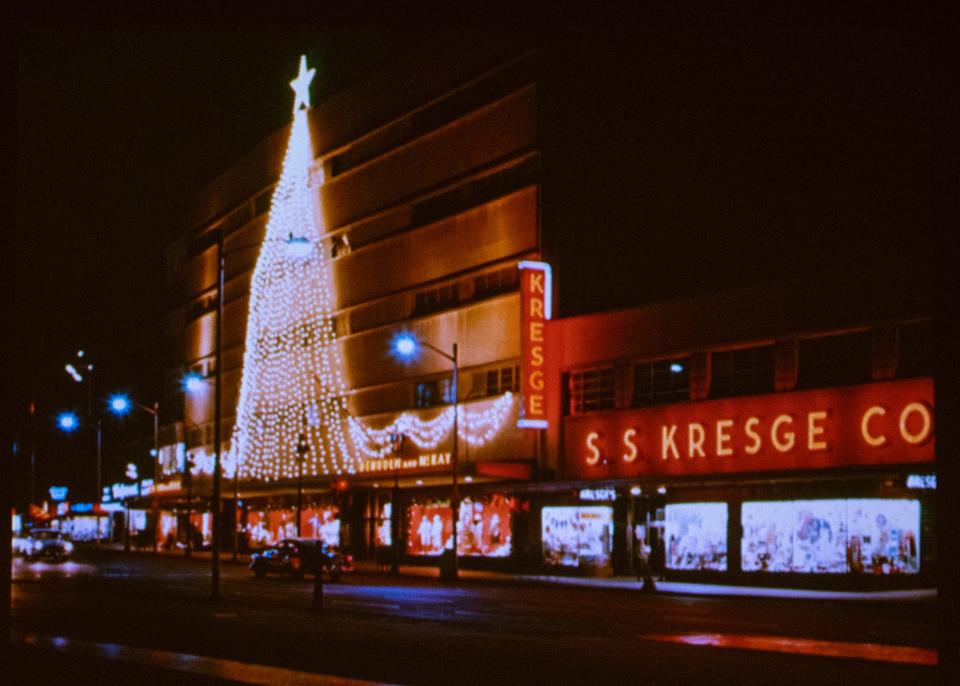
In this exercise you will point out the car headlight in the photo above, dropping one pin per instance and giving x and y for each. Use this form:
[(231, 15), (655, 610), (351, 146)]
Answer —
[(37, 546), (69, 546)]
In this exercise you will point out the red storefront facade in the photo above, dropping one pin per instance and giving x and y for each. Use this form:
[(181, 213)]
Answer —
[(824, 479)]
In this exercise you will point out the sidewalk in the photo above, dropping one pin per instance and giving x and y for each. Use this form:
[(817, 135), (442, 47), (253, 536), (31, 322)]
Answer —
[(618, 582)]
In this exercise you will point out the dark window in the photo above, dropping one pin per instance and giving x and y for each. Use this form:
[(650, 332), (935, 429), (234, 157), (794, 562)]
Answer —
[(591, 390), (437, 298), (835, 360), (433, 392), (742, 372), (475, 193), (917, 350), (437, 114), (428, 394), (499, 381), (663, 381), (492, 283)]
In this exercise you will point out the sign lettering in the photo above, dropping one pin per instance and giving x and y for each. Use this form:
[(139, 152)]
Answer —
[(880, 423), (535, 310)]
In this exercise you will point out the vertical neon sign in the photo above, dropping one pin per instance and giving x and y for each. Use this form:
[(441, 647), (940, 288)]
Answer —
[(536, 290)]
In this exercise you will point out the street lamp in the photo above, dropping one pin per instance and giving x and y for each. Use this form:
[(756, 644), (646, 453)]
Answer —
[(302, 449), (405, 345), (78, 377), (193, 384), (68, 422), (120, 405), (296, 246)]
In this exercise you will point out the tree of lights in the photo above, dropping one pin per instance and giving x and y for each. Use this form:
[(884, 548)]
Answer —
[(292, 382), (292, 391)]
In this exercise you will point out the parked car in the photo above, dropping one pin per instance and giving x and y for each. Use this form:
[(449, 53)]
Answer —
[(300, 556), (48, 544)]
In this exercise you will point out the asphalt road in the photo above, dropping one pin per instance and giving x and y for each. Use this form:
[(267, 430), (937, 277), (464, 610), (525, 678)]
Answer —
[(422, 631)]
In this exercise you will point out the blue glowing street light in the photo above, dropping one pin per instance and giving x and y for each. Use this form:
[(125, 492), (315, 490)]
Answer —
[(405, 346), (67, 421), (119, 404), (193, 383)]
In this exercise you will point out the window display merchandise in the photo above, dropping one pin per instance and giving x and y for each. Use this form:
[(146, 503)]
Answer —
[(429, 527), (577, 536), (268, 527), (384, 525), (484, 527), (862, 536), (696, 536)]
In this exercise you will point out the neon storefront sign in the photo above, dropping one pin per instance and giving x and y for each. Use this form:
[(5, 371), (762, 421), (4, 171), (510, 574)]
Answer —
[(882, 423)]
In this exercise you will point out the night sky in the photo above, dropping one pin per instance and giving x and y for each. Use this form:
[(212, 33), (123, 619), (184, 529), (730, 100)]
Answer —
[(118, 127)]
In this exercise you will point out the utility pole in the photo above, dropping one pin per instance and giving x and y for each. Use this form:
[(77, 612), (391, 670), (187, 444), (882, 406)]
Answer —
[(217, 429)]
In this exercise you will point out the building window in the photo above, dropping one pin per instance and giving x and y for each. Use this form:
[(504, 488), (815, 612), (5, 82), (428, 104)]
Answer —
[(437, 298), (591, 390), (433, 392), (493, 283), (659, 382), (496, 381), (339, 246), (835, 360), (748, 371)]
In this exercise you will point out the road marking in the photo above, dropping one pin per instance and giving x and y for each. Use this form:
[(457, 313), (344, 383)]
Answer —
[(804, 646), (228, 670)]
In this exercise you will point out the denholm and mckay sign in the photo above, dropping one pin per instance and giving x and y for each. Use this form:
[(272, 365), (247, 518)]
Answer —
[(880, 423)]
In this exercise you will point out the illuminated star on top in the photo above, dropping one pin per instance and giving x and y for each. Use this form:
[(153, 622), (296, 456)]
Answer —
[(301, 84)]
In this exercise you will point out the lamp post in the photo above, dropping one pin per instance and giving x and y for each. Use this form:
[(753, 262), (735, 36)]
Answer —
[(217, 427), (79, 378), (68, 422), (406, 346), (397, 440), (188, 483), (297, 246), (302, 449), (121, 405)]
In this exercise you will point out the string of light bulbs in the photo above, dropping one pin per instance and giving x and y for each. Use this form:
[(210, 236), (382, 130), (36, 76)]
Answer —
[(291, 404), (476, 428)]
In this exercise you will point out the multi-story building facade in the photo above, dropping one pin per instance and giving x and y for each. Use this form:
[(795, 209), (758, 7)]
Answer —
[(440, 178)]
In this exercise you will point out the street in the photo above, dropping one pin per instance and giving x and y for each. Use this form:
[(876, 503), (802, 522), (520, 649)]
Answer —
[(418, 630)]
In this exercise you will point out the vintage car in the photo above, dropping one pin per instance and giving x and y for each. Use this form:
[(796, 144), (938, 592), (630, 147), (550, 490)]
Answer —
[(48, 544), (297, 557)]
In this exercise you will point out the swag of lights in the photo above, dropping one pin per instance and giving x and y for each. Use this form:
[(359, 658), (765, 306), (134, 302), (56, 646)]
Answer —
[(476, 428)]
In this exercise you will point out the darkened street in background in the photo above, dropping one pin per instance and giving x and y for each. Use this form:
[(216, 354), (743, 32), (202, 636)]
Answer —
[(419, 630)]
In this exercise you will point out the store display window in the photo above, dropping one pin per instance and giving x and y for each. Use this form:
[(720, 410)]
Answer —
[(384, 525), (857, 535), (429, 527), (268, 527), (577, 536), (484, 527), (695, 536)]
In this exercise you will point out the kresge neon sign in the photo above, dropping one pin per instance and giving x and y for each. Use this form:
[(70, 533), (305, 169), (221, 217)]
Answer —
[(883, 423)]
